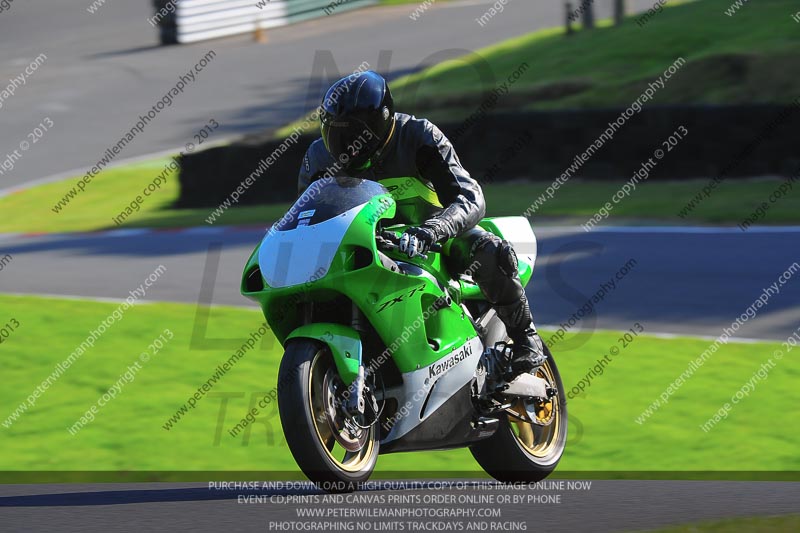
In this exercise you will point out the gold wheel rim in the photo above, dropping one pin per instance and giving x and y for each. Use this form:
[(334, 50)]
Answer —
[(539, 441), (326, 429)]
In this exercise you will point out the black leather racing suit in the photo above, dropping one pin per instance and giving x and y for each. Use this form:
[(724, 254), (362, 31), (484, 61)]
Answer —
[(444, 195)]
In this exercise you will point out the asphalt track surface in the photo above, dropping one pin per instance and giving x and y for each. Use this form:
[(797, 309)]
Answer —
[(605, 506), (104, 70), (692, 281)]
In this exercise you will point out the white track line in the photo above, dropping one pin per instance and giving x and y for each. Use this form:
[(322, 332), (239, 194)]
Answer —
[(70, 297), (662, 335)]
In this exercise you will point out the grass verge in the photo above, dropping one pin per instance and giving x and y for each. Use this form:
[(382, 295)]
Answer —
[(732, 201), (748, 58), (110, 194), (128, 433)]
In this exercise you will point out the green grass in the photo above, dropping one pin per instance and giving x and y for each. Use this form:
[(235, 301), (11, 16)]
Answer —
[(108, 194), (614, 64), (730, 202), (127, 434), (771, 524), (750, 57)]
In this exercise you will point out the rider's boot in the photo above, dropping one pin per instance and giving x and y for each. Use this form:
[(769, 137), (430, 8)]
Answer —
[(527, 349)]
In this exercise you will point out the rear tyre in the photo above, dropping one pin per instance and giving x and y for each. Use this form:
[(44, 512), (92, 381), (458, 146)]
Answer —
[(330, 450), (525, 452)]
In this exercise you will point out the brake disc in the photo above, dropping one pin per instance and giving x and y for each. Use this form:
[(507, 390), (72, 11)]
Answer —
[(345, 430)]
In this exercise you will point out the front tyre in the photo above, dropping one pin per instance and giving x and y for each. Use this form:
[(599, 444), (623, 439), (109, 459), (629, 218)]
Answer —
[(330, 448), (526, 452)]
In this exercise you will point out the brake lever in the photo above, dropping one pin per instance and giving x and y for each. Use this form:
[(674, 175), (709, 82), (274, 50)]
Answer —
[(435, 247), (390, 241)]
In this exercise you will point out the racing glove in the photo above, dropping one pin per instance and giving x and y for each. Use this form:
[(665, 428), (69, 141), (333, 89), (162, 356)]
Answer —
[(417, 241)]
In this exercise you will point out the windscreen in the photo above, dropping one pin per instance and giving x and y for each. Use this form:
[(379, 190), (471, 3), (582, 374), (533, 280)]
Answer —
[(326, 198)]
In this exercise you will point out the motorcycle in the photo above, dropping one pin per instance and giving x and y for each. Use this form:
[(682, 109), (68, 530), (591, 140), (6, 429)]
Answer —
[(386, 353)]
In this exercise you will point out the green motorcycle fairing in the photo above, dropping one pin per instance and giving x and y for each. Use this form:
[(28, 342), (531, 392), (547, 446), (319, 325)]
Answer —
[(324, 250), (387, 299), (344, 342)]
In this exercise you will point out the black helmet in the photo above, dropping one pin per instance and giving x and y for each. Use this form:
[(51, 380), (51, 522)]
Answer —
[(357, 118)]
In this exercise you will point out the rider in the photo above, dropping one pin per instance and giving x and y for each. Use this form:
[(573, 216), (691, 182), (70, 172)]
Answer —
[(363, 137)]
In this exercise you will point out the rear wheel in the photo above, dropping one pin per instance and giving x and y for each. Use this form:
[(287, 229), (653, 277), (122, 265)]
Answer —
[(527, 451), (328, 446)]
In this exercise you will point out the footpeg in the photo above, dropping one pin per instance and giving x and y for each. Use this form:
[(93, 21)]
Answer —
[(485, 426), (486, 423)]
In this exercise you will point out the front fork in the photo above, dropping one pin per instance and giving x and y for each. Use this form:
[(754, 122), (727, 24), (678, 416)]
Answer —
[(355, 404), (346, 347)]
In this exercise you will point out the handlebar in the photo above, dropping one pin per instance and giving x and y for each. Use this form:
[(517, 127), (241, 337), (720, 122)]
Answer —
[(390, 242)]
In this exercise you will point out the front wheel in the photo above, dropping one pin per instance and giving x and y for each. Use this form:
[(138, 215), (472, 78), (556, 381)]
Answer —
[(524, 451), (332, 449)]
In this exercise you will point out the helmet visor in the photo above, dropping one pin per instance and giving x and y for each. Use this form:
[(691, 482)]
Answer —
[(349, 140)]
